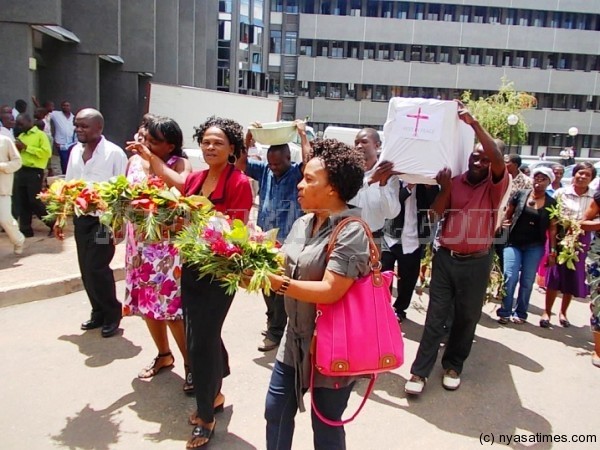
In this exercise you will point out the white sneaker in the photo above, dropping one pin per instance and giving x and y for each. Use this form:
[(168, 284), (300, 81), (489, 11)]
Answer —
[(415, 385), (451, 380), (19, 248)]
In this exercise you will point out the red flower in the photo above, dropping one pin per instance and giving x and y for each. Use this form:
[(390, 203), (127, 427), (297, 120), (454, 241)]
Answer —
[(144, 203), (156, 182)]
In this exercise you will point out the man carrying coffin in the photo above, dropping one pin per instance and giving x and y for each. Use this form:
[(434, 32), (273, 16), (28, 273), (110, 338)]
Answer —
[(461, 266), (378, 198)]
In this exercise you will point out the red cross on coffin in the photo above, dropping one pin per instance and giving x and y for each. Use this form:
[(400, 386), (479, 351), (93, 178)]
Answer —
[(422, 136)]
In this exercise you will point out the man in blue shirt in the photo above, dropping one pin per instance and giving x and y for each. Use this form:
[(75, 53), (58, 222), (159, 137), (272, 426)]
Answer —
[(278, 207)]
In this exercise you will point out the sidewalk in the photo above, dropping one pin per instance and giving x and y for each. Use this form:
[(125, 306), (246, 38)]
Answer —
[(47, 268)]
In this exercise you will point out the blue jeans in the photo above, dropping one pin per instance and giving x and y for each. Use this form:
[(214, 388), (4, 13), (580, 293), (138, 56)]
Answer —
[(282, 405), (520, 264)]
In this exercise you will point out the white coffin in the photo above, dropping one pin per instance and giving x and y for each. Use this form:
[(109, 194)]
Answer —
[(422, 136)]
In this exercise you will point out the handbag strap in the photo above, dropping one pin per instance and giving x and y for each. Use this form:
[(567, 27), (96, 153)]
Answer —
[(336, 423), (374, 261)]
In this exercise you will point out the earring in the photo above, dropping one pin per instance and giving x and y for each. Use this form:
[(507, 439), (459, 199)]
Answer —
[(234, 159)]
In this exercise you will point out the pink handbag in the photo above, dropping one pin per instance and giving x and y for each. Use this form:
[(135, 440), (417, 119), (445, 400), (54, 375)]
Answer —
[(359, 334)]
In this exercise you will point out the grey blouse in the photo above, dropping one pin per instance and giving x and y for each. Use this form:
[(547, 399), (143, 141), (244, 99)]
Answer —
[(305, 260)]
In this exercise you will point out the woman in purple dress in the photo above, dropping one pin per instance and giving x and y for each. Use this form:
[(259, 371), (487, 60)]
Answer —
[(153, 269)]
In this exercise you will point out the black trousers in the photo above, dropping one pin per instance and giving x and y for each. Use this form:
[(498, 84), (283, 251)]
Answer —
[(458, 284), (205, 306), (276, 316), (95, 251), (26, 186), (408, 272)]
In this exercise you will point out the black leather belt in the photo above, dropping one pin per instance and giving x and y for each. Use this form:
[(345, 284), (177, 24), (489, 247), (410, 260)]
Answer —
[(466, 256), (378, 233)]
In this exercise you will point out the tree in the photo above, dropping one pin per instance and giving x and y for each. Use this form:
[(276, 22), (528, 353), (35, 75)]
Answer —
[(492, 111)]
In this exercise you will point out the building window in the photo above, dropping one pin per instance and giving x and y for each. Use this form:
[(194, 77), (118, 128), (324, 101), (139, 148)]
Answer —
[(478, 14), (380, 93), (465, 14), (494, 15), (444, 54), (433, 12), (369, 52), (323, 48), (289, 84), (335, 91), (337, 49), (353, 49), (355, 6), (304, 89), (387, 9), (223, 78), (399, 52), (245, 9), (419, 11), (429, 54), (350, 91), (383, 52), (274, 84), (289, 47), (277, 5), (275, 41), (225, 6), (372, 8), (258, 12), (306, 48), (225, 30), (366, 91), (291, 6), (320, 89), (402, 10)]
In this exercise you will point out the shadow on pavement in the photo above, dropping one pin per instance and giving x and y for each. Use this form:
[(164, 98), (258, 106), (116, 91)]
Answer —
[(90, 345), (152, 401), (487, 401)]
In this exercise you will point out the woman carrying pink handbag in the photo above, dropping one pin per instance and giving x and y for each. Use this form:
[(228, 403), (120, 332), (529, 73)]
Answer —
[(331, 178)]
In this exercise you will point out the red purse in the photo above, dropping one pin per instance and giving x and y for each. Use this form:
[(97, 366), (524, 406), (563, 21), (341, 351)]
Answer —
[(359, 334)]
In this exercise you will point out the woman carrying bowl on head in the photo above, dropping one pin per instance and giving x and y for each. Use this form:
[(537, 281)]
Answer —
[(529, 221), (153, 269), (575, 200), (331, 178), (205, 300)]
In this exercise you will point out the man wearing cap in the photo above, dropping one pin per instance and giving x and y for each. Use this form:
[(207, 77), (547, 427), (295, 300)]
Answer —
[(528, 221)]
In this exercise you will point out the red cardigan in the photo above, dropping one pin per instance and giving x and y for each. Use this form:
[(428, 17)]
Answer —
[(232, 196)]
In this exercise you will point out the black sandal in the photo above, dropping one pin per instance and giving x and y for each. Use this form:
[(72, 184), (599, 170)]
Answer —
[(188, 385), (151, 370), (201, 432)]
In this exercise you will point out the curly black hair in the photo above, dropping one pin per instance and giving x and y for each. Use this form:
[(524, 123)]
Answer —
[(232, 129), (345, 166)]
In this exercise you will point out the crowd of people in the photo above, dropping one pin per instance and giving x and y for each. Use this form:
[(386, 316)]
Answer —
[(304, 201)]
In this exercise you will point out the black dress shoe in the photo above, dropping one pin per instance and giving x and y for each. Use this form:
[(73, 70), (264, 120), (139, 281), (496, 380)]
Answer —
[(110, 329), (91, 324)]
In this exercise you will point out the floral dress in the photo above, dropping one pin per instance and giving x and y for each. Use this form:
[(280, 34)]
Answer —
[(152, 269), (593, 279)]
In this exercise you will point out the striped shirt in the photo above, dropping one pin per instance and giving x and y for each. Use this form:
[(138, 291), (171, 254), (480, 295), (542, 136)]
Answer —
[(574, 205)]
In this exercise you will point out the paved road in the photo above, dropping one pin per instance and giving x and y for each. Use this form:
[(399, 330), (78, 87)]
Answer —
[(64, 388)]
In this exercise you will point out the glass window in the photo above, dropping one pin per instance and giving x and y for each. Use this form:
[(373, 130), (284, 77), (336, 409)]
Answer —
[(554, 19), (245, 9), (386, 9), (444, 54), (225, 6), (258, 11), (335, 90), (419, 11), (257, 33), (353, 49), (383, 52), (289, 84), (274, 84), (538, 18), (355, 6), (337, 49), (350, 91), (275, 41), (340, 8), (366, 91), (510, 17), (494, 15), (225, 30), (304, 89), (478, 14), (323, 48), (306, 48), (291, 6), (399, 52), (524, 17), (245, 33), (223, 53), (277, 5), (429, 54), (326, 7), (465, 14), (372, 8), (415, 53), (320, 89), (380, 93), (223, 77), (402, 10), (369, 51), (289, 47), (433, 12)]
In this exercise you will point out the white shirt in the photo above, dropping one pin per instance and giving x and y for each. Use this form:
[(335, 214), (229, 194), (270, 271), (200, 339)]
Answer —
[(8, 133), (573, 205), (378, 202), (63, 127), (108, 160), (410, 232)]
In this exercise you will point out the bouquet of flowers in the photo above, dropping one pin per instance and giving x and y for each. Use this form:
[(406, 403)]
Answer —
[(155, 210), (568, 242), (70, 198), (228, 250)]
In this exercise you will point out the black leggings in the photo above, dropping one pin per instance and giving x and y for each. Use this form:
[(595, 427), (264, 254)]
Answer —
[(205, 306)]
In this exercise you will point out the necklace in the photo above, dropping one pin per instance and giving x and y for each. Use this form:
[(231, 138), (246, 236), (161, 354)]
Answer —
[(533, 199)]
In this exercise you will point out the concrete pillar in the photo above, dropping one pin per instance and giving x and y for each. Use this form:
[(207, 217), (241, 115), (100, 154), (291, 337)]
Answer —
[(186, 42), (119, 103), (166, 41), (17, 78)]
